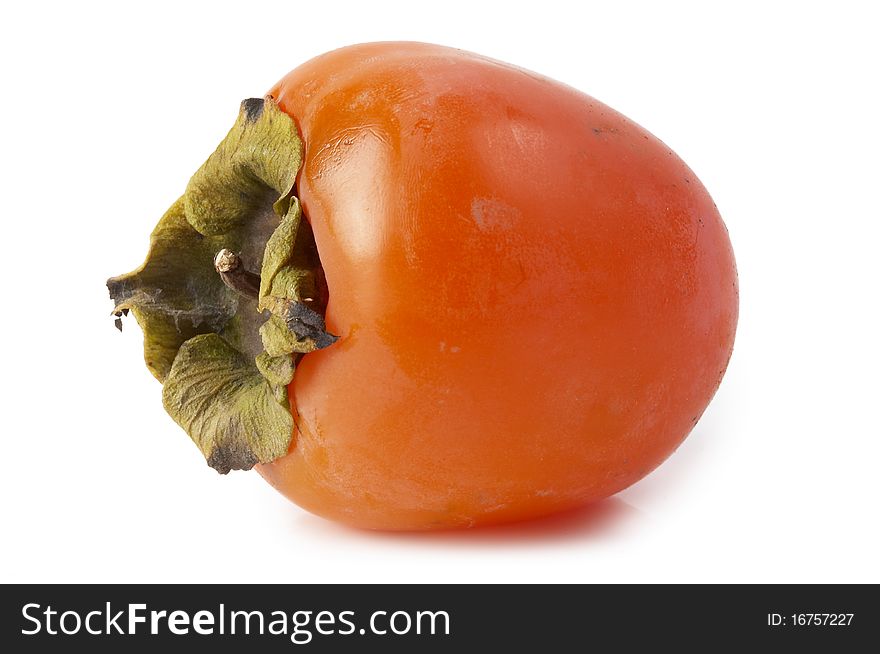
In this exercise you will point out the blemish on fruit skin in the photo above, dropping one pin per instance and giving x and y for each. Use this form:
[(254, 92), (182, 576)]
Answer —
[(424, 124), (496, 507), (490, 213)]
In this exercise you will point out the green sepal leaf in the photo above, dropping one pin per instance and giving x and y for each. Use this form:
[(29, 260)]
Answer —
[(175, 294), (277, 257), (224, 366), (277, 370), (230, 410), (278, 340), (257, 161)]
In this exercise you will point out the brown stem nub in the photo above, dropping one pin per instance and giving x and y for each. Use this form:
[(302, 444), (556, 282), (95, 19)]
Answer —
[(301, 320), (233, 273)]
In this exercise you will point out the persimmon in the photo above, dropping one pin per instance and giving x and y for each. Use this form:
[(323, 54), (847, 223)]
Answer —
[(417, 288)]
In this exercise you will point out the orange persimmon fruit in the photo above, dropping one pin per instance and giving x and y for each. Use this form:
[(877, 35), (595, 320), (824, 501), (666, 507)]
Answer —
[(535, 299)]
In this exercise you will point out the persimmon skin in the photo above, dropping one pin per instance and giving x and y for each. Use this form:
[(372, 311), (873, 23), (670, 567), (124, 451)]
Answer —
[(536, 297)]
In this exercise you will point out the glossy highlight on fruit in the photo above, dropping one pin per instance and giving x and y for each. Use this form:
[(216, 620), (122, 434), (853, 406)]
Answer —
[(536, 299)]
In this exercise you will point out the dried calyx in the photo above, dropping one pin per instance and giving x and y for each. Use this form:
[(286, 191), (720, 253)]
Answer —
[(222, 339)]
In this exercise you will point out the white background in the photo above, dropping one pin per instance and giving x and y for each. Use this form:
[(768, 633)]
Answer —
[(107, 110)]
